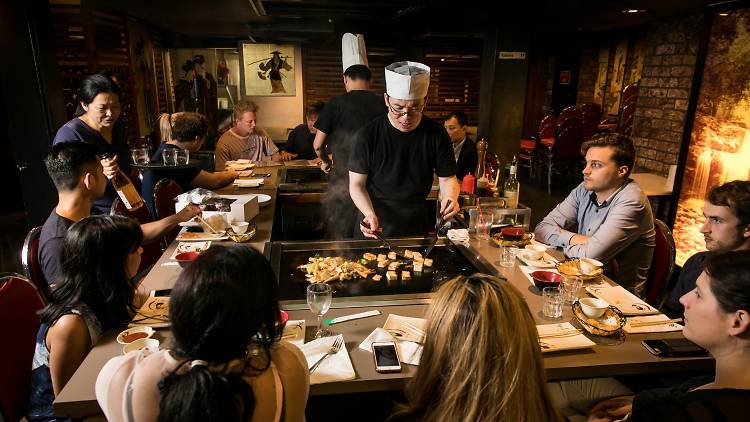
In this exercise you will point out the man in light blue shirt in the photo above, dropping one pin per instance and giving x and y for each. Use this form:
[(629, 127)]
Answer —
[(607, 217)]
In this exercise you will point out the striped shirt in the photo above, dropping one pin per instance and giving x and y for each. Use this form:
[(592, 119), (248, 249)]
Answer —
[(256, 146)]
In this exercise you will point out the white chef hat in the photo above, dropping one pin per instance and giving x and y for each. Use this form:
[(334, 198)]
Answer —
[(353, 50), (407, 80)]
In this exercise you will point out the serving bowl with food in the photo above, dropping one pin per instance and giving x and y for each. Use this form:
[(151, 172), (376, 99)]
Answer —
[(572, 267), (610, 322), (135, 333)]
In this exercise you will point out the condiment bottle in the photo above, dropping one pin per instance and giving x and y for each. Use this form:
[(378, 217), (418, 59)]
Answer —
[(511, 186)]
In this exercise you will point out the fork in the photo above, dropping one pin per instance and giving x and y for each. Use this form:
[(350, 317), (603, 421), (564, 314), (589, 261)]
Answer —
[(332, 351)]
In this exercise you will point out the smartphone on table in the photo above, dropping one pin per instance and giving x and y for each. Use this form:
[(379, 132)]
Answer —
[(673, 347), (386, 357)]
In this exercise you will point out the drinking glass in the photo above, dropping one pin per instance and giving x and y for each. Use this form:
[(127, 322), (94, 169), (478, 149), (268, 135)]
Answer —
[(508, 256), (140, 155), (552, 302), (570, 286), (169, 156), (319, 297), (484, 223), (182, 157), (473, 218)]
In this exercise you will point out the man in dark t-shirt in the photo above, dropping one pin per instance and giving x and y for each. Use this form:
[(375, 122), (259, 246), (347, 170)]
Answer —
[(727, 228), (299, 144), (394, 158)]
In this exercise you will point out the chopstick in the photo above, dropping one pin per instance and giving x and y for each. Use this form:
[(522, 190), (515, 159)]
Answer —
[(213, 230), (567, 333), (659, 322)]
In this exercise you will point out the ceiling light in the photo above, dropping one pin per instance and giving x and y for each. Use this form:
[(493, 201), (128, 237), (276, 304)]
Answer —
[(724, 14), (634, 11)]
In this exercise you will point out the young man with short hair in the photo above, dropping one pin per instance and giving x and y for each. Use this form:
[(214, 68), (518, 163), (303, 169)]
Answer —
[(245, 140), (299, 144), (464, 149), (607, 217)]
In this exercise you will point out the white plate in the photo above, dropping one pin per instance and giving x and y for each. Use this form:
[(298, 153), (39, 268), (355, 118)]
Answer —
[(546, 262), (190, 223), (263, 199), (199, 237)]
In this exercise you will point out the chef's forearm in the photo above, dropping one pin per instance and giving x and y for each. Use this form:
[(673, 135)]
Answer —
[(449, 188), (359, 194), (319, 145)]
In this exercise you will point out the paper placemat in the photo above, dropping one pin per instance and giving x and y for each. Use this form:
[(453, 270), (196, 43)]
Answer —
[(659, 328), (409, 351), (183, 247), (626, 302), (334, 368), (556, 344), (294, 332)]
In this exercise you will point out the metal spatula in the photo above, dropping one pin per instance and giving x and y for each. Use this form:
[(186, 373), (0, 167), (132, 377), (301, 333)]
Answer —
[(395, 249), (438, 225)]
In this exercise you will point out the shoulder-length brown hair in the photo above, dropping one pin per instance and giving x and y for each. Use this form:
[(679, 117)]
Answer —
[(481, 359)]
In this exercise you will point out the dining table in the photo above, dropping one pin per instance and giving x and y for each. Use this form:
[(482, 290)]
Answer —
[(608, 356)]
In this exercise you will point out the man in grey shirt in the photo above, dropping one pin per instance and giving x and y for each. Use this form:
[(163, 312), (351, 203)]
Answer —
[(607, 217)]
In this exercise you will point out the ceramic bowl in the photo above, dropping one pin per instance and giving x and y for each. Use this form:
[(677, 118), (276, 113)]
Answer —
[(135, 333), (151, 344), (185, 258), (535, 252), (593, 307), (589, 266), (544, 279)]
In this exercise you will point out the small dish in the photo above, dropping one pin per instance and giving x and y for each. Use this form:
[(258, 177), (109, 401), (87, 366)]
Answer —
[(593, 307), (150, 344), (610, 323), (570, 267), (134, 334), (535, 252), (544, 279), (512, 233), (589, 266), (185, 258), (239, 227), (242, 237)]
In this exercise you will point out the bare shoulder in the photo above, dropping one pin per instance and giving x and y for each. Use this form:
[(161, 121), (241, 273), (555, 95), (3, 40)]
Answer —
[(288, 356), (68, 328)]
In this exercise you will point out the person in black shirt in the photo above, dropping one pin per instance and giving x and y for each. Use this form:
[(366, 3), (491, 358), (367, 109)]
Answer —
[(300, 141), (337, 126), (464, 149), (394, 159)]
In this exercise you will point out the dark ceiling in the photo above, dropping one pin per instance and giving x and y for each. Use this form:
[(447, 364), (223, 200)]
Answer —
[(408, 21)]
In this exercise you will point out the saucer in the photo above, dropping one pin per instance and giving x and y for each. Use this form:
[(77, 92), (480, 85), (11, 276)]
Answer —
[(546, 262)]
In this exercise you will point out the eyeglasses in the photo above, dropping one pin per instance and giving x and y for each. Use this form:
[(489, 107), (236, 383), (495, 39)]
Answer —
[(413, 112)]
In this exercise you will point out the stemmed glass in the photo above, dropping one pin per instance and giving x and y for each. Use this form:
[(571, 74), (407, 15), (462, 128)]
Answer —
[(319, 297)]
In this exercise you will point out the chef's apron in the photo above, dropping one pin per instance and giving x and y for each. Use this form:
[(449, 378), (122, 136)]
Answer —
[(399, 217)]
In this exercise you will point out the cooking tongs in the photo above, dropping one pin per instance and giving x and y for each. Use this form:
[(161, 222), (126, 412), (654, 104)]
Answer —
[(395, 249), (439, 223)]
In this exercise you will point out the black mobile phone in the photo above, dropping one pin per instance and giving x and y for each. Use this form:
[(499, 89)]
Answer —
[(673, 347), (386, 357), (161, 292)]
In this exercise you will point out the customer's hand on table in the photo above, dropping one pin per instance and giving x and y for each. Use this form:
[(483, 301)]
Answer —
[(110, 166), (315, 162), (233, 173), (286, 156), (611, 409), (372, 221)]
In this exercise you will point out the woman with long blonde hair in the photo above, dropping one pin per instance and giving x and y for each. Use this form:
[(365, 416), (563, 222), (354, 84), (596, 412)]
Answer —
[(481, 359)]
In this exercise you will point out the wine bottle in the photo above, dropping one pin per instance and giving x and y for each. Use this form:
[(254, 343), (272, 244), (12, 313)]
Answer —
[(511, 187), (125, 190), (481, 178)]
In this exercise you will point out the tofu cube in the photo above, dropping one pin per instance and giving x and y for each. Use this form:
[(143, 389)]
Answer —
[(417, 256), (381, 257), (408, 253), (428, 262), (391, 255), (417, 267), (383, 264), (393, 266), (369, 256), (405, 275), (391, 275), (377, 277)]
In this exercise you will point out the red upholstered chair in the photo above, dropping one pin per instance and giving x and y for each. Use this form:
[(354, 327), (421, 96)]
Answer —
[(629, 95), (30, 262), (545, 133), (626, 119), (165, 191), (151, 251), (564, 152), (19, 302), (569, 112), (592, 113), (661, 265)]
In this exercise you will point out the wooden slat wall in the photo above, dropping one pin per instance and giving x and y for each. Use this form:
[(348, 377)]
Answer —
[(159, 71)]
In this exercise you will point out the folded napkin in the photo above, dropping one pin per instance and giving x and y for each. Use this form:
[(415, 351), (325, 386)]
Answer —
[(659, 328), (248, 183), (622, 299), (527, 270), (563, 336), (294, 332), (334, 368), (459, 236), (409, 351)]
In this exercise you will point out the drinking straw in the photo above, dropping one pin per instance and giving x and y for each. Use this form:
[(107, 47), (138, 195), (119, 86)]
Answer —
[(481, 217)]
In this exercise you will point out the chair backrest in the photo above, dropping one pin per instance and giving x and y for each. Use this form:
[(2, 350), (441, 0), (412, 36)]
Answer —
[(626, 118), (591, 110), (571, 111), (548, 130), (567, 146), (662, 264), (571, 121), (629, 95), (151, 251), (548, 120), (165, 191), (30, 261), (19, 302)]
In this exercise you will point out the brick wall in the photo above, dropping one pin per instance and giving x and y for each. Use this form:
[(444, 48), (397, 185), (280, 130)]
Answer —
[(668, 67), (587, 74)]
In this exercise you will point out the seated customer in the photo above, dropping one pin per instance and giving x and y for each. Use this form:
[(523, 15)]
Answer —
[(79, 179), (481, 359), (717, 317), (99, 257), (299, 145), (607, 217), (727, 228), (245, 140), (187, 131), (227, 362)]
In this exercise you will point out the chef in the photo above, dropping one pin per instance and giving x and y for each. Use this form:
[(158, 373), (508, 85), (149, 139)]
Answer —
[(336, 125), (395, 156)]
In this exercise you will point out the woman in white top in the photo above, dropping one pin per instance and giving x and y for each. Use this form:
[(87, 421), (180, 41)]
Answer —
[(227, 362)]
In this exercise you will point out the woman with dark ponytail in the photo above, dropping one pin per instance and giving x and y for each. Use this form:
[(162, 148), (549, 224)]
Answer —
[(226, 363)]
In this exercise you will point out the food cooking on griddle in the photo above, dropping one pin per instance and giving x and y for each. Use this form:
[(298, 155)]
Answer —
[(330, 268)]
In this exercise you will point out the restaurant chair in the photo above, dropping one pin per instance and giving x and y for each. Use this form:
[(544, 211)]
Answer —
[(662, 265), (629, 95), (151, 251), (30, 262), (528, 146), (165, 191), (19, 303), (592, 114), (569, 112), (564, 152), (626, 119)]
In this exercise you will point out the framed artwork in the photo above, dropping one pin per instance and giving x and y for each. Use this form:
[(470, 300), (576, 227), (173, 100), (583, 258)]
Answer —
[(267, 70)]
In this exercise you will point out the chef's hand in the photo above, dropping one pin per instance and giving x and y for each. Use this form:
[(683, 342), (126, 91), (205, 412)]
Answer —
[(187, 213), (315, 162), (110, 166), (326, 166), (286, 156), (448, 208), (372, 221)]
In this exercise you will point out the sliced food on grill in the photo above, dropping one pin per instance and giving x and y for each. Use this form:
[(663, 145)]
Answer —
[(325, 269), (369, 256)]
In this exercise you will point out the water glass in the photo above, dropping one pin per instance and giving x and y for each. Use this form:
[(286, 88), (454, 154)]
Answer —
[(473, 218), (484, 223), (319, 296), (140, 155), (552, 302), (182, 157), (508, 256), (169, 156), (570, 286)]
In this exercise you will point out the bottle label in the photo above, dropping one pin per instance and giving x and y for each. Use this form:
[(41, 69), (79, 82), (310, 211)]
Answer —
[(512, 198), (512, 169), (129, 196)]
